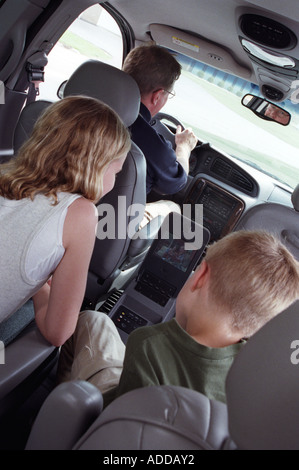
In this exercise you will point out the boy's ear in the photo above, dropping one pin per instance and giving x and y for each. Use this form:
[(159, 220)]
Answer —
[(200, 276)]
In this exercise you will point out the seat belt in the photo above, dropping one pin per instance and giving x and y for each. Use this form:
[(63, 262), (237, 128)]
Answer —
[(35, 70)]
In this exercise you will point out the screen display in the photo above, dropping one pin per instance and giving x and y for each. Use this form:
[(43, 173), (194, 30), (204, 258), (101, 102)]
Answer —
[(173, 252)]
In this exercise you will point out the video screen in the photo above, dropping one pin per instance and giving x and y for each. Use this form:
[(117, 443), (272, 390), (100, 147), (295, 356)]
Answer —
[(173, 252)]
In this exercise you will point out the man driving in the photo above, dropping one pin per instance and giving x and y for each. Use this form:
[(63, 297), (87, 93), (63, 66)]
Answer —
[(156, 70)]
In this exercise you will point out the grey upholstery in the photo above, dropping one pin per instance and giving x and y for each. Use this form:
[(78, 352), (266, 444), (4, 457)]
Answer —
[(263, 387), (160, 418), (76, 408), (108, 84), (28, 356), (278, 219), (164, 417), (110, 257), (261, 413), (120, 91), (27, 119), (27, 361), (93, 78)]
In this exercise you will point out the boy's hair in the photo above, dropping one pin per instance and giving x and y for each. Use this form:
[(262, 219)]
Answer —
[(71, 145), (253, 276), (152, 67)]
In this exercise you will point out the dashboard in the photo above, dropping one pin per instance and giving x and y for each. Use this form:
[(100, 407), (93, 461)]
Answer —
[(221, 210), (226, 187)]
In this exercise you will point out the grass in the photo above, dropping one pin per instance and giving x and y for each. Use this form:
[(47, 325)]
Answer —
[(231, 101), (276, 168), (284, 171), (287, 134), (87, 48)]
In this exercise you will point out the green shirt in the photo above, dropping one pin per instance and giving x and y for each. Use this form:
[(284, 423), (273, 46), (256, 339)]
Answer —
[(165, 354)]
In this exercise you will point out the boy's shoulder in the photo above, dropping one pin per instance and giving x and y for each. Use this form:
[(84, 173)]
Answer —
[(145, 332)]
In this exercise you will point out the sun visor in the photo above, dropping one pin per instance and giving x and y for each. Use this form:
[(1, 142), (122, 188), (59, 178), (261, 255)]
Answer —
[(198, 49)]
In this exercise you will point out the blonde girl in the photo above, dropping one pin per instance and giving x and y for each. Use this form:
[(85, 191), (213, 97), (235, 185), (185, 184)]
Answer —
[(47, 212)]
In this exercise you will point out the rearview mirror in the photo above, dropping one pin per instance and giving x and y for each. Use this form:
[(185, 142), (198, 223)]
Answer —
[(266, 110)]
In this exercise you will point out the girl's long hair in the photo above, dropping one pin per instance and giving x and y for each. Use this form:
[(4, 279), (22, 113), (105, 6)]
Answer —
[(71, 146)]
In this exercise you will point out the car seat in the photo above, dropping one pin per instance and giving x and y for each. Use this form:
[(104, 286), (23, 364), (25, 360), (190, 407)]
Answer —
[(26, 364), (112, 257), (117, 89), (278, 219), (261, 413)]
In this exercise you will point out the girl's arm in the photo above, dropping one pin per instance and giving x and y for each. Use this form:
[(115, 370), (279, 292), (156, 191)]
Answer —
[(57, 307)]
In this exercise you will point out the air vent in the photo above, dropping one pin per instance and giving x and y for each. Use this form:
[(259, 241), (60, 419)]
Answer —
[(241, 181), (111, 301), (221, 168), (231, 175), (267, 32)]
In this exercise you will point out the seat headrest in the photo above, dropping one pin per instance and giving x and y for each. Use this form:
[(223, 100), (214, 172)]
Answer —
[(108, 84), (159, 417), (27, 120), (262, 387), (295, 198)]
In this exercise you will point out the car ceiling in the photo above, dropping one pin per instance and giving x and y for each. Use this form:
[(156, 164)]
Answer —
[(217, 23), (206, 30), (211, 26)]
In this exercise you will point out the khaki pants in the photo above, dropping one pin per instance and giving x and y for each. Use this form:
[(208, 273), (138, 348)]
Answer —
[(94, 353)]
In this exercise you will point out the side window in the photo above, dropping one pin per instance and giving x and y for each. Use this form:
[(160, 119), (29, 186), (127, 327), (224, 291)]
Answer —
[(94, 35)]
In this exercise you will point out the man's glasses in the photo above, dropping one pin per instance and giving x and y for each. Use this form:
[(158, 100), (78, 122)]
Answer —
[(171, 94)]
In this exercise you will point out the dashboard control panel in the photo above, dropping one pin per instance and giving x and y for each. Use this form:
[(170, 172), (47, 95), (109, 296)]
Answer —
[(221, 209)]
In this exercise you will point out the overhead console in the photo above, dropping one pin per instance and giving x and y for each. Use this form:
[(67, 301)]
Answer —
[(221, 209), (272, 48), (269, 40)]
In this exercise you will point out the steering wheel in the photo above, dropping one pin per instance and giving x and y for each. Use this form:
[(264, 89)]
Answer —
[(166, 132), (163, 129)]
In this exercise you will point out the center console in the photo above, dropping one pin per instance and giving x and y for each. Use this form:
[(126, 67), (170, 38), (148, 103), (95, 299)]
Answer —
[(221, 209)]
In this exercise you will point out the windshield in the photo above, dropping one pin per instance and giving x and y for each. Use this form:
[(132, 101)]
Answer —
[(209, 101)]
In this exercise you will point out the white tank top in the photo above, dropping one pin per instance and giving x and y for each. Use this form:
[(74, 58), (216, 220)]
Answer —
[(31, 246), (46, 248)]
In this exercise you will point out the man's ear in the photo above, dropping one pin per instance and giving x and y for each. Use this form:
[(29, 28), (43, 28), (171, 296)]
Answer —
[(200, 276), (155, 96)]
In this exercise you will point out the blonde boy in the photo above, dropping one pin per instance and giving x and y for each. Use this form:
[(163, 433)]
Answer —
[(246, 279)]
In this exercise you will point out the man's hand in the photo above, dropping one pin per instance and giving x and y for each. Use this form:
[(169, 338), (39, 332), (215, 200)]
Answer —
[(186, 138), (185, 142)]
